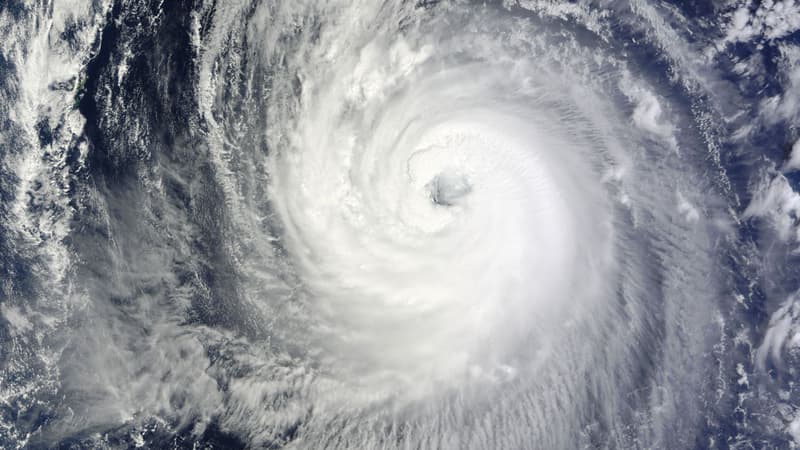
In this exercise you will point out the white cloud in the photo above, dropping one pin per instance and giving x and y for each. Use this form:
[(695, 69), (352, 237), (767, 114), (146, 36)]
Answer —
[(648, 114), (794, 429), (770, 20), (794, 160), (779, 204), (786, 106), (687, 209), (16, 317), (784, 326)]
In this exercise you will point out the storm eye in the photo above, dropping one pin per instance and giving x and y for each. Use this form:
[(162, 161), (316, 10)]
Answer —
[(448, 189)]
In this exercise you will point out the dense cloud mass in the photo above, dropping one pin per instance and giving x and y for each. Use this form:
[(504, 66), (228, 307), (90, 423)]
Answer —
[(397, 224)]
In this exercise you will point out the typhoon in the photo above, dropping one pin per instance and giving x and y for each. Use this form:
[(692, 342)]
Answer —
[(307, 224)]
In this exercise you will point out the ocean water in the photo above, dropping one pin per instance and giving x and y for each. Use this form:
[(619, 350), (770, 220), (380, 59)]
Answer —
[(388, 224)]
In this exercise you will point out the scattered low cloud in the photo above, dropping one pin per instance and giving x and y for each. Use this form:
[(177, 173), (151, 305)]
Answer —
[(767, 20)]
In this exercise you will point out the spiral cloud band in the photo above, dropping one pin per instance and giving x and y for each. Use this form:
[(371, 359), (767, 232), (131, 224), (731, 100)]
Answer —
[(430, 218), (456, 207), (398, 224)]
